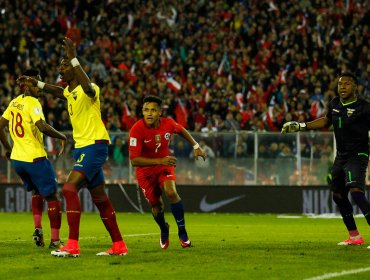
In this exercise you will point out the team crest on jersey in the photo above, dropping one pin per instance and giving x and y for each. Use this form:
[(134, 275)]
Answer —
[(167, 136), (157, 138), (350, 112)]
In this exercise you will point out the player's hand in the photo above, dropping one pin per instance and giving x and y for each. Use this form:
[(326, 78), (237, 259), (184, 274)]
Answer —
[(69, 48), (168, 160), (199, 153), (63, 145), (26, 81), (289, 127)]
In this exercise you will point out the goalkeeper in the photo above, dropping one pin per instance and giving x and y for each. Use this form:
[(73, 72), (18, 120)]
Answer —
[(350, 117)]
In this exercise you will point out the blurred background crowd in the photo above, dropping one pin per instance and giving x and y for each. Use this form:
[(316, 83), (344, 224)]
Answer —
[(219, 65)]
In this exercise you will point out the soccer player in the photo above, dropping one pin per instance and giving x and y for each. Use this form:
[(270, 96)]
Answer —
[(26, 123), (91, 150), (155, 168), (350, 117)]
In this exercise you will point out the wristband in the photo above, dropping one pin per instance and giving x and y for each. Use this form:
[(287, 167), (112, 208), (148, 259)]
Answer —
[(75, 62), (196, 146), (302, 126), (40, 84)]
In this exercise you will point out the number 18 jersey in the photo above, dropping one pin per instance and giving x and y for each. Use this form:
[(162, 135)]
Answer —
[(22, 113)]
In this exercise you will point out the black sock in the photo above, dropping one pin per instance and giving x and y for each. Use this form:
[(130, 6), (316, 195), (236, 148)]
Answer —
[(346, 210), (161, 221), (362, 202)]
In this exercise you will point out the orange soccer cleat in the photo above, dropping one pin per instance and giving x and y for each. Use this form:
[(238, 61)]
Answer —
[(71, 249), (119, 248)]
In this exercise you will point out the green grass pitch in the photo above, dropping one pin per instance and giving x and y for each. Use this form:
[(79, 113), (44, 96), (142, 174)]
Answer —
[(225, 246)]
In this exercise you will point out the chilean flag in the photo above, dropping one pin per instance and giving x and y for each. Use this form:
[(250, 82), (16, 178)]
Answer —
[(173, 84)]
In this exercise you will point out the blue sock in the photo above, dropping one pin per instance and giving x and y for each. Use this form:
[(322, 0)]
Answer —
[(178, 212), (161, 221), (362, 202)]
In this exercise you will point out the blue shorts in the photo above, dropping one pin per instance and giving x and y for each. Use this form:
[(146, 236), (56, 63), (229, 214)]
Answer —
[(38, 176), (90, 161)]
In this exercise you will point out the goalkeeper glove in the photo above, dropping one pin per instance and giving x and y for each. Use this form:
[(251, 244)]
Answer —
[(293, 127)]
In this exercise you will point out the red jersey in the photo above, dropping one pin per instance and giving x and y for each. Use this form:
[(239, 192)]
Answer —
[(152, 142)]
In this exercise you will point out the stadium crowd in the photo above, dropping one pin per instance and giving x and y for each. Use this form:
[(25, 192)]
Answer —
[(229, 65), (218, 65)]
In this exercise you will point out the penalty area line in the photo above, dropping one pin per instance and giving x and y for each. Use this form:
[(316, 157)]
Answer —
[(338, 274)]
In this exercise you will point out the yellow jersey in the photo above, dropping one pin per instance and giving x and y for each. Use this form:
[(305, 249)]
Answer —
[(85, 116), (22, 113)]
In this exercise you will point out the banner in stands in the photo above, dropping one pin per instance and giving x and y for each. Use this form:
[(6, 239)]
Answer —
[(200, 199)]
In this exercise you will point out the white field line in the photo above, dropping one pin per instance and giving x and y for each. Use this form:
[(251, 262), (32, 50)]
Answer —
[(338, 274)]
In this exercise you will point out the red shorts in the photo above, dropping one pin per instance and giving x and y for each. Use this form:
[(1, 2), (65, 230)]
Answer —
[(151, 179)]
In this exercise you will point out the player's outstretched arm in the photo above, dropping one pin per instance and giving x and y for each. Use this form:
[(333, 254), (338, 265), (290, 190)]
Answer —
[(4, 140), (29, 81), (293, 126), (81, 76)]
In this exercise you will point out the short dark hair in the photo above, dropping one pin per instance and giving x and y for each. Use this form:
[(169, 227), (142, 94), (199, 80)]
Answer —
[(348, 74), (31, 72), (153, 98)]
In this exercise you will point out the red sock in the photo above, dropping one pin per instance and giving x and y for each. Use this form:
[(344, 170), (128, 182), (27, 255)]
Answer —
[(55, 217), (37, 207), (108, 216), (73, 209), (353, 233)]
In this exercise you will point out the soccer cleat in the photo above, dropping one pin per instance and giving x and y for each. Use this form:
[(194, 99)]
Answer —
[(71, 249), (164, 240), (351, 241), (56, 244), (119, 248), (184, 240), (38, 237)]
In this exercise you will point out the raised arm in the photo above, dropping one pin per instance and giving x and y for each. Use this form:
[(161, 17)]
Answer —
[(81, 76)]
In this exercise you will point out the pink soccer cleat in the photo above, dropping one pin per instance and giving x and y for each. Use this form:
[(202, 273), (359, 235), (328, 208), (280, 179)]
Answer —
[(351, 241)]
